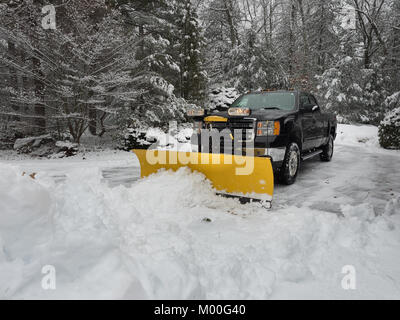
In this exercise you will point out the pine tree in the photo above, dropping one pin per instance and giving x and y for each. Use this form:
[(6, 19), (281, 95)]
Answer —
[(193, 76)]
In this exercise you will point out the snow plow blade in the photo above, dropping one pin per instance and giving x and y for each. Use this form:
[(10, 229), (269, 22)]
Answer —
[(242, 177)]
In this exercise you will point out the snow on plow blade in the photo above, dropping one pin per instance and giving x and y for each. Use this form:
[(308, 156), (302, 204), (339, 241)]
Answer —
[(237, 176)]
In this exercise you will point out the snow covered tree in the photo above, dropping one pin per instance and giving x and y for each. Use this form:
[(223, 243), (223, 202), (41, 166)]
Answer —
[(220, 20), (193, 76), (22, 107), (389, 129), (88, 70), (254, 66), (355, 85)]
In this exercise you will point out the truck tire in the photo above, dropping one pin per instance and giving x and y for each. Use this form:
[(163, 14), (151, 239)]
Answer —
[(291, 164), (327, 150)]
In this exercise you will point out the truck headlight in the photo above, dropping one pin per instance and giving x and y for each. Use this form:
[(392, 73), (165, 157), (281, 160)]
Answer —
[(268, 128), (195, 113)]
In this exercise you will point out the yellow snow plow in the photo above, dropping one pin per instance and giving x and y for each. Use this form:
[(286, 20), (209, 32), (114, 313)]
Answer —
[(244, 177)]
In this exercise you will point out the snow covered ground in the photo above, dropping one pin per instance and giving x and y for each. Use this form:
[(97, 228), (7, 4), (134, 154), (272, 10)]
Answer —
[(110, 235)]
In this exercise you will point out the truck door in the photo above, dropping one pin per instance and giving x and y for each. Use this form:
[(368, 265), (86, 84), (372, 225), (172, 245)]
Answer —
[(321, 124), (310, 133)]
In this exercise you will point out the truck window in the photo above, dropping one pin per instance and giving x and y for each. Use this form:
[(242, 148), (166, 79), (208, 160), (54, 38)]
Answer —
[(304, 100), (268, 100), (313, 100)]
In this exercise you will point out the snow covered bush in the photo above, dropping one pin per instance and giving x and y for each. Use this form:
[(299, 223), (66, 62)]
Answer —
[(8, 138), (30, 144), (389, 130), (221, 98), (134, 139), (174, 137), (44, 146)]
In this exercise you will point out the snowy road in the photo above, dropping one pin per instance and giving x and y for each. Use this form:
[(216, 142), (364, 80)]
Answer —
[(110, 235)]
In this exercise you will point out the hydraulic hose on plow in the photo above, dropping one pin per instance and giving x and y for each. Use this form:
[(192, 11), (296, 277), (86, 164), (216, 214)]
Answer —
[(243, 177)]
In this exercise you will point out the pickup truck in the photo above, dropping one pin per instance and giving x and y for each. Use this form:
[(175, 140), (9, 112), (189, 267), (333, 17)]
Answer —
[(288, 126)]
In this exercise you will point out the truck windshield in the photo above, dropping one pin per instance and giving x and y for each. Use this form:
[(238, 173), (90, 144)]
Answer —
[(268, 100)]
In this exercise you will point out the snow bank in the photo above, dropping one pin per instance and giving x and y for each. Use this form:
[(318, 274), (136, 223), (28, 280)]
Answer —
[(358, 135), (169, 237), (25, 213)]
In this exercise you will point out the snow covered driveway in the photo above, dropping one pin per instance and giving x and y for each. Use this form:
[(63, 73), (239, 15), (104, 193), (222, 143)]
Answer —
[(110, 235), (355, 176)]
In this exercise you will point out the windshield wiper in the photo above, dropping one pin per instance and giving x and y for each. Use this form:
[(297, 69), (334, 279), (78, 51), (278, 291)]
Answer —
[(271, 108)]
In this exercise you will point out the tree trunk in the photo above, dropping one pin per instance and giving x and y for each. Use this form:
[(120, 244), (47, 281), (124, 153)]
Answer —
[(233, 34), (271, 26), (13, 78), (304, 36), (92, 120), (292, 37), (39, 109)]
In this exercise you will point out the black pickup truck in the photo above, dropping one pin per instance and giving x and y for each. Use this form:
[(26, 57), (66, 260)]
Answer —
[(287, 126)]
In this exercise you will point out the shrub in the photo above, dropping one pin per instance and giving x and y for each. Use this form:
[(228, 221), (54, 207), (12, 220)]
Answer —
[(389, 130)]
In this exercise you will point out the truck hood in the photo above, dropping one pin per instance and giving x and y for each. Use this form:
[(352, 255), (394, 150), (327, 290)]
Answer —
[(260, 114)]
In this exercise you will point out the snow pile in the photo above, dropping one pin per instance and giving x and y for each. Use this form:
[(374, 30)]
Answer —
[(358, 135), (25, 212), (393, 207), (66, 145), (169, 236)]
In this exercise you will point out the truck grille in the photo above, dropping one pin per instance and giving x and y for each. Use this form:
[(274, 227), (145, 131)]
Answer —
[(242, 130), (242, 125), (245, 129)]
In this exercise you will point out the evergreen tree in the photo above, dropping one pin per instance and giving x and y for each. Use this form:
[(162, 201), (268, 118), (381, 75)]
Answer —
[(193, 76)]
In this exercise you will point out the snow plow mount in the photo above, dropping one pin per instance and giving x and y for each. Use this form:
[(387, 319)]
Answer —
[(266, 204)]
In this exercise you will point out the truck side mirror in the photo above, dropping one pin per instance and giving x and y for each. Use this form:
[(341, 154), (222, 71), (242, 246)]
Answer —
[(314, 108), (309, 108), (306, 108)]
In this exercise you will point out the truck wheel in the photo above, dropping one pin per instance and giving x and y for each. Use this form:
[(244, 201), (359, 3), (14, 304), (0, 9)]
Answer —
[(327, 150), (291, 164)]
